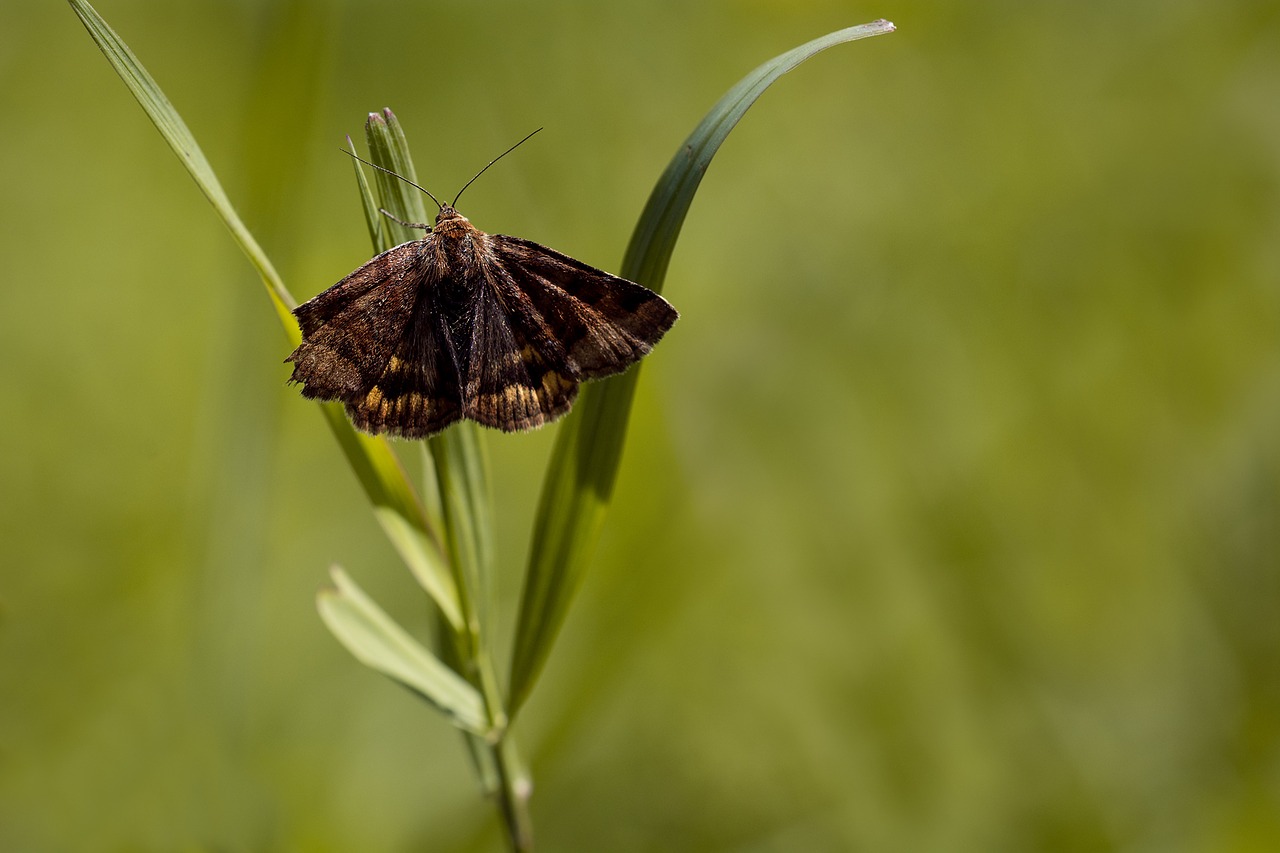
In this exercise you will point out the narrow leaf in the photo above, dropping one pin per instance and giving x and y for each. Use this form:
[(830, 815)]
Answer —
[(375, 466), (381, 644), (584, 463), (464, 500), (389, 149), (174, 131), (457, 452), (455, 481), (373, 219)]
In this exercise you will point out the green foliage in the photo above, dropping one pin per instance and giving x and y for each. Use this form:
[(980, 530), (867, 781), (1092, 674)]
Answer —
[(946, 516), (579, 482), (174, 131), (580, 476), (379, 643), (394, 504)]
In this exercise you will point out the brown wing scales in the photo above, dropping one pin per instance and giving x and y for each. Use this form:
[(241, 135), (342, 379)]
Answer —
[(418, 392), (515, 381), (460, 324), (374, 342), (350, 330), (602, 323)]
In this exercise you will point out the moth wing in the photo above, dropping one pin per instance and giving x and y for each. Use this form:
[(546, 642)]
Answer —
[(601, 324), (417, 392), (350, 330), (376, 342), (515, 381), (385, 268)]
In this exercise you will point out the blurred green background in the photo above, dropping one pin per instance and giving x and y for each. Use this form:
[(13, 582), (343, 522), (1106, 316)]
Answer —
[(950, 517)]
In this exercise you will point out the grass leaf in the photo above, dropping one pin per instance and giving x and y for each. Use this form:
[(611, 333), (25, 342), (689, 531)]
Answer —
[(457, 452), (396, 506), (454, 473), (175, 132), (379, 643), (372, 217), (584, 463), (461, 471)]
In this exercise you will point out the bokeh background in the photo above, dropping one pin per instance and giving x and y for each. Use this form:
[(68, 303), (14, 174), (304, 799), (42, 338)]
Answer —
[(950, 517)]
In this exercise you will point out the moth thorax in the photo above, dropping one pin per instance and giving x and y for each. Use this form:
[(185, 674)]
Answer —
[(451, 223)]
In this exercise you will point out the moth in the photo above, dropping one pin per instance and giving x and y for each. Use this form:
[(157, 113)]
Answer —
[(463, 324)]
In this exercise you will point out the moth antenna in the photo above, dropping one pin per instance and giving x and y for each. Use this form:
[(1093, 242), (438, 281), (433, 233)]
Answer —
[(395, 218), (486, 168), (396, 175)]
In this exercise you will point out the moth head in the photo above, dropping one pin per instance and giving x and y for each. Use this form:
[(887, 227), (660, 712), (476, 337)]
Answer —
[(448, 213)]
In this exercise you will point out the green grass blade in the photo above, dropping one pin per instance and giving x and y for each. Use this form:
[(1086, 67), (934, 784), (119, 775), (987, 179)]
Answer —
[(458, 477), (397, 510), (654, 239), (423, 554), (373, 219), (395, 504), (379, 643), (389, 149), (464, 498), (584, 463), (455, 469), (457, 452), (175, 132)]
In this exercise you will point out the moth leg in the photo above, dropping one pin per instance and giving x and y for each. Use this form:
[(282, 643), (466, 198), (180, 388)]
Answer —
[(395, 218)]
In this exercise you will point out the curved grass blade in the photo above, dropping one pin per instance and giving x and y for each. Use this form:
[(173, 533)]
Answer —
[(458, 453), (455, 479), (584, 463), (389, 149), (373, 219), (395, 504), (175, 132), (379, 643)]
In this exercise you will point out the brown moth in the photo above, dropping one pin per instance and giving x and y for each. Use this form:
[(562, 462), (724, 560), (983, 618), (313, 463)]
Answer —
[(464, 324)]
